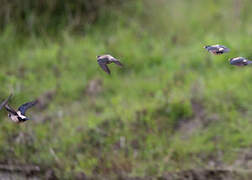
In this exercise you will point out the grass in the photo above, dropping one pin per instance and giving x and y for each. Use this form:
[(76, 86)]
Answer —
[(133, 125)]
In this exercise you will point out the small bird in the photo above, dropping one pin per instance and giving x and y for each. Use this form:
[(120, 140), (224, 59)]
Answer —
[(103, 60), (216, 49), (19, 116), (239, 61), (5, 101)]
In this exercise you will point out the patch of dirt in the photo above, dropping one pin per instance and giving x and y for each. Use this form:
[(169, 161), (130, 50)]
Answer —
[(203, 175), (25, 172), (11, 171), (244, 159), (198, 108), (188, 126), (33, 172), (45, 99), (94, 87), (199, 120)]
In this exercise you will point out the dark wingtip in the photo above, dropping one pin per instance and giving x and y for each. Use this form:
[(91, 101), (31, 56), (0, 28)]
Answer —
[(120, 64), (117, 62), (249, 62), (226, 50)]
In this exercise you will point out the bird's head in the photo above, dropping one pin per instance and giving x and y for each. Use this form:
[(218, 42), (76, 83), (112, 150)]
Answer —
[(231, 61), (98, 56), (207, 46)]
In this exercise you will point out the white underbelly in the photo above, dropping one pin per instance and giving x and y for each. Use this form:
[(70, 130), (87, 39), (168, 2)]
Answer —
[(20, 115), (14, 118)]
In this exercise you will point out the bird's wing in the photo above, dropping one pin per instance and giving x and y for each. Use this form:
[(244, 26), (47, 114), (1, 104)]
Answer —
[(23, 108), (216, 46), (224, 49), (214, 50), (238, 61), (10, 109), (249, 62), (117, 62), (221, 48), (237, 58), (5, 101), (104, 67)]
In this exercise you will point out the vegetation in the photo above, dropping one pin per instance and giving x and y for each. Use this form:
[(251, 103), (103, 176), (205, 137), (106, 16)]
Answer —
[(43, 17), (173, 107)]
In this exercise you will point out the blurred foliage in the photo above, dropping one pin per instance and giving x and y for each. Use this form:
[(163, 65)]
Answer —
[(173, 106), (43, 16)]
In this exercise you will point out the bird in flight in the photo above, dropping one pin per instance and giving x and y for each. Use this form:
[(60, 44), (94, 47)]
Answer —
[(104, 60), (19, 115), (216, 49), (5, 101), (239, 61)]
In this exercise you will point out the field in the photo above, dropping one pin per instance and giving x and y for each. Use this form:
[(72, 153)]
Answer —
[(173, 106)]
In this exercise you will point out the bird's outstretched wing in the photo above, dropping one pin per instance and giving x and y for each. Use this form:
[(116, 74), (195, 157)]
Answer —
[(239, 61), (249, 62), (217, 49), (117, 62), (23, 108), (104, 67), (222, 49), (5, 101), (226, 50), (10, 109)]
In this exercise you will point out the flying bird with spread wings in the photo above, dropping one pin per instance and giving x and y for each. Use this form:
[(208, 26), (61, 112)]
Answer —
[(104, 60), (19, 115), (239, 61), (216, 49)]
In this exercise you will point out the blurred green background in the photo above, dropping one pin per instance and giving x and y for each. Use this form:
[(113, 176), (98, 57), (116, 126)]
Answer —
[(172, 107)]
